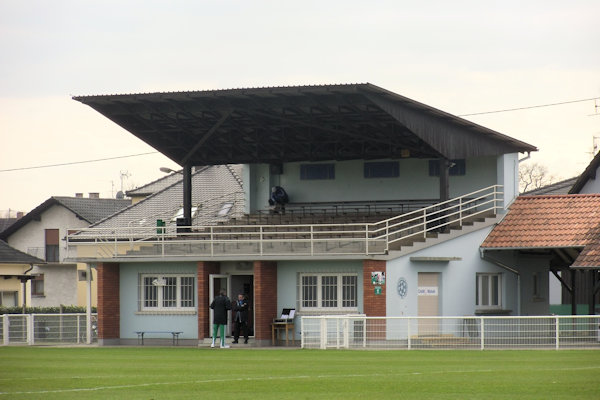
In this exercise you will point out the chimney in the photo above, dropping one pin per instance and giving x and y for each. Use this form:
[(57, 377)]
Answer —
[(79, 195), (94, 195), (20, 214)]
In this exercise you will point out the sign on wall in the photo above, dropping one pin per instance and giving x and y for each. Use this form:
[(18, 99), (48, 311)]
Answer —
[(427, 291), (378, 278)]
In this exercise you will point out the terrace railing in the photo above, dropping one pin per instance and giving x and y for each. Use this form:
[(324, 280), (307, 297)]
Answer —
[(335, 239), (470, 332)]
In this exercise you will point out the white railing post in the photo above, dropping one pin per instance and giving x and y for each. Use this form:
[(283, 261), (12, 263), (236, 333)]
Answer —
[(323, 341), (212, 241), (312, 243), (460, 211), (408, 333), (366, 239), (482, 325), (345, 331), (425, 223), (6, 329), (557, 331), (260, 240), (302, 331), (29, 319), (337, 333)]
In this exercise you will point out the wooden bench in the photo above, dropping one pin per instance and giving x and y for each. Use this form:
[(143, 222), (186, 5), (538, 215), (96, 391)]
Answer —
[(175, 335)]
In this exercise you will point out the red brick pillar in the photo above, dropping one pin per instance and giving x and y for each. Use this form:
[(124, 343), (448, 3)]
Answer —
[(205, 268), (374, 304), (265, 299), (109, 310)]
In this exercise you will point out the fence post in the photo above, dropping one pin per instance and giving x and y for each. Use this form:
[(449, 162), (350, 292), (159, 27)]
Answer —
[(345, 330), (29, 327), (323, 342), (5, 329), (302, 332), (408, 334), (366, 239), (482, 324), (556, 327)]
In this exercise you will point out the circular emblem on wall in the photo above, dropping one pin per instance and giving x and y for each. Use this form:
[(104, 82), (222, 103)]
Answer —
[(402, 287)]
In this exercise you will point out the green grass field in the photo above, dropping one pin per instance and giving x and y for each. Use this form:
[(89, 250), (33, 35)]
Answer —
[(189, 373)]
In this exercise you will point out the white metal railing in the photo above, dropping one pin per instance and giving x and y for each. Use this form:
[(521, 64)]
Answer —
[(469, 332), (297, 239), (35, 329)]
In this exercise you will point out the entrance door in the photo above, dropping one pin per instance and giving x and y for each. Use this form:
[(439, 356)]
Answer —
[(215, 284), (428, 302), (244, 284)]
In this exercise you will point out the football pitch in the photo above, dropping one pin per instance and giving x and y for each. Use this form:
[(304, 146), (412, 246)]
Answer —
[(190, 373)]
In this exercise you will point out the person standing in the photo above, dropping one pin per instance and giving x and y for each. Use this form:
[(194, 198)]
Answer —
[(240, 308), (220, 305)]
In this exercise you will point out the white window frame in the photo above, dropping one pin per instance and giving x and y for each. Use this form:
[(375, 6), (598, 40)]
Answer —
[(479, 298), (320, 300), (158, 281)]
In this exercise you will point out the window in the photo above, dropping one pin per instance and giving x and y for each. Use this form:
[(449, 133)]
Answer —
[(489, 291), (37, 285), (52, 245), (382, 169), (458, 167), (328, 292), (317, 171), (167, 292), (8, 299)]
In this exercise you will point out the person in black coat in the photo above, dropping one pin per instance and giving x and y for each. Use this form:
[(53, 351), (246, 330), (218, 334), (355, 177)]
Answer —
[(240, 318), (220, 306)]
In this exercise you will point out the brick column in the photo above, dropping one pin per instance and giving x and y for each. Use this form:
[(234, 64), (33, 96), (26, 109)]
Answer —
[(374, 304), (205, 268), (265, 299), (109, 310)]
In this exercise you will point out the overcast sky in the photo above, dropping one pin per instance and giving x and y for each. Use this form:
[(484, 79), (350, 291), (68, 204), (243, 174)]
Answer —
[(462, 57)]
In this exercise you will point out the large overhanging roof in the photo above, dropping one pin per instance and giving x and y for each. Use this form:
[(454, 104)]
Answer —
[(297, 123)]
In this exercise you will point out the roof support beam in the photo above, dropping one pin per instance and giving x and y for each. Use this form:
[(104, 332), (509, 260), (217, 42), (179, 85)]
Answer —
[(204, 138)]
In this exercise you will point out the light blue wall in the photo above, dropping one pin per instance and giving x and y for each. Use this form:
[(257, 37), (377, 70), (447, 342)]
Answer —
[(131, 321), (457, 278), (287, 281), (349, 184), (508, 177)]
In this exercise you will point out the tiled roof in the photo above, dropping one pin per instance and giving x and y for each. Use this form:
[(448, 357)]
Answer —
[(8, 255), (6, 222), (548, 222), (156, 185), (561, 187), (211, 187), (93, 210), (88, 209), (552, 222)]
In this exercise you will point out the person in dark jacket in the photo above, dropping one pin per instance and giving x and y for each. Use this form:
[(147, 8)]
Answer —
[(240, 318), (220, 306)]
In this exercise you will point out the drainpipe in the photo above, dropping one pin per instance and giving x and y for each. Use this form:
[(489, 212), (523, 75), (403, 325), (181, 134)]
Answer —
[(506, 267), (24, 282)]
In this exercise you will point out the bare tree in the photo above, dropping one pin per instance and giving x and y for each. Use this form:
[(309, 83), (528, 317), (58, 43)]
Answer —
[(534, 176)]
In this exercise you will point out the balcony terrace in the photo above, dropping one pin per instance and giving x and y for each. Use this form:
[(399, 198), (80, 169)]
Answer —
[(309, 230)]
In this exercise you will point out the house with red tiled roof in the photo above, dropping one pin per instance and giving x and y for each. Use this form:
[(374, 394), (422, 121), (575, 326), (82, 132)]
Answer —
[(558, 232)]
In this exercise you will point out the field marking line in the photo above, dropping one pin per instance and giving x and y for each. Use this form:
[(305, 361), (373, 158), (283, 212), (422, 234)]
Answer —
[(329, 376)]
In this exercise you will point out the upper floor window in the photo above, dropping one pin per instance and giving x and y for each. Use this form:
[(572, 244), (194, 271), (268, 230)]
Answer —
[(52, 242), (317, 171), (166, 292), (458, 167), (489, 291), (328, 292), (382, 169)]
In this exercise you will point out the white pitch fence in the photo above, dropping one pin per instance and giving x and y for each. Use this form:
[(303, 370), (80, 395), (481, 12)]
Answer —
[(476, 333), (32, 329)]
